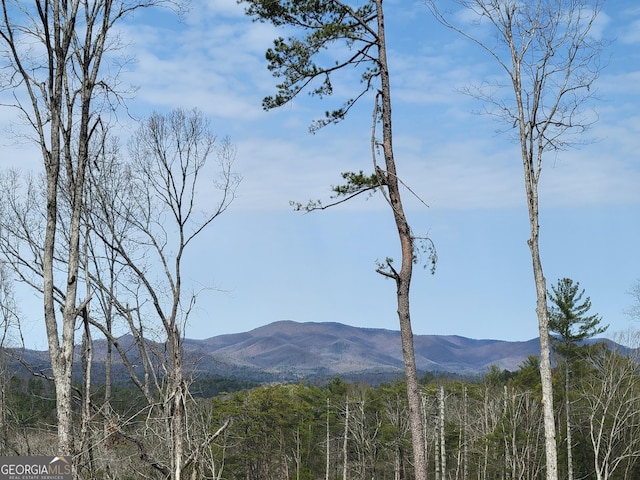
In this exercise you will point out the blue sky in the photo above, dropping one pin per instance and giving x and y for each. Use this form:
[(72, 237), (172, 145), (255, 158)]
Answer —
[(263, 262)]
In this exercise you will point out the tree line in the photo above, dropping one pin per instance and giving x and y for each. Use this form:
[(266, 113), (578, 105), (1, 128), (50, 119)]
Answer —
[(485, 428), (102, 234)]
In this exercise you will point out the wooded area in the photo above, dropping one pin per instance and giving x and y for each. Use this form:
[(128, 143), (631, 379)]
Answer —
[(485, 428), (101, 236)]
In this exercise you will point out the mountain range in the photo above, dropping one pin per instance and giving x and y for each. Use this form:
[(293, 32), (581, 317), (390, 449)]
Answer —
[(293, 351), (288, 350)]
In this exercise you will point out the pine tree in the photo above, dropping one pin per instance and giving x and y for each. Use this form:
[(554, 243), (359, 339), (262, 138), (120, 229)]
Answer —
[(568, 318), (570, 326)]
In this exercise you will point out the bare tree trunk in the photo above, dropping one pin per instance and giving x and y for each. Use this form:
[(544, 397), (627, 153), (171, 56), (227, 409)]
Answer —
[(176, 407), (345, 455), (86, 448), (106, 404), (485, 409), (514, 460), (567, 407), (328, 440), (531, 185), (402, 277), (443, 448), (396, 414), (505, 437), (61, 354), (550, 58), (465, 429), (436, 452), (424, 427)]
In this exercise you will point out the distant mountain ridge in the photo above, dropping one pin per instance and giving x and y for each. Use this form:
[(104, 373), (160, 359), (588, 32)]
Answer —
[(293, 351)]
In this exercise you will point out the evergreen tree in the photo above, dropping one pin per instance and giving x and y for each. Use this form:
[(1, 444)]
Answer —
[(568, 319), (571, 325)]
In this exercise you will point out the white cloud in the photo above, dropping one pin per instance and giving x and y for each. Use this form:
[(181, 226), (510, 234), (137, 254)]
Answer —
[(213, 61), (588, 180), (451, 158), (631, 33), (202, 9)]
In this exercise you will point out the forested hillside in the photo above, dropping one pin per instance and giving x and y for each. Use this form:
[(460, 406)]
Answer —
[(485, 428)]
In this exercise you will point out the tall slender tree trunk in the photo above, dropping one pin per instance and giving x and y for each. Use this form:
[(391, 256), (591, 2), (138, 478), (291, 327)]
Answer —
[(436, 454), (345, 456), (485, 463), (532, 173), (567, 407), (443, 446), (108, 412), (554, 61), (86, 443), (402, 277), (505, 433), (176, 411), (60, 348), (328, 440), (425, 436), (465, 432), (61, 355)]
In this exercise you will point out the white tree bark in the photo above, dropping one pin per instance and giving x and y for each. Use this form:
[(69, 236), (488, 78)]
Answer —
[(328, 442), (443, 446), (549, 56), (158, 195), (612, 395), (345, 441), (59, 84)]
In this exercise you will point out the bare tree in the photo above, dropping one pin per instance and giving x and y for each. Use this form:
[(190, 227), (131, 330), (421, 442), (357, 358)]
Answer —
[(523, 435), (143, 214), (52, 54), (549, 54), (345, 441), (364, 429), (394, 408), (634, 310), (9, 337), (148, 223), (201, 433), (22, 228), (610, 396)]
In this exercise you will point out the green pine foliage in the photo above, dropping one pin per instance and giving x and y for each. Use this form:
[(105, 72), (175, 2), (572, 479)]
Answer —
[(569, 320), (299, 62), (30, 402)]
